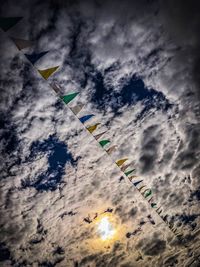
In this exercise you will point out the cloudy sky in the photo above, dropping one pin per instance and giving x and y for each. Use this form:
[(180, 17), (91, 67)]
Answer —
[(136, 66)]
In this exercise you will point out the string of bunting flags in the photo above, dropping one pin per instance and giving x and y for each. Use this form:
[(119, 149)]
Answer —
[(8, 22)]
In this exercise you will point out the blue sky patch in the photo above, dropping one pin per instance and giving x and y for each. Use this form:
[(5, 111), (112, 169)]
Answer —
[(58, 155)]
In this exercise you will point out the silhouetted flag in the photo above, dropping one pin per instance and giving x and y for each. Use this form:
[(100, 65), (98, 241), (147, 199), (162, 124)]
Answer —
[(99, 135), (123, 168), (56, 88), (21, 43), (34, 57), (76, 109), (111, 149), (8, 22)]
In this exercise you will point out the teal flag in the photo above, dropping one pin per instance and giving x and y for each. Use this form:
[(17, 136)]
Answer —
[(129, 172), (69, 98), (104, 142)]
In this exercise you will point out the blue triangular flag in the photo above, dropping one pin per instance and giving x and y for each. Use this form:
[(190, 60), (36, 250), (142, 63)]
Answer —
[(35, 56), (137, 183), (86, 117)]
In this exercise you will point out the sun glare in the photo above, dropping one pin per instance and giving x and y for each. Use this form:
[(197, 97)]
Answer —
[(105, 229)]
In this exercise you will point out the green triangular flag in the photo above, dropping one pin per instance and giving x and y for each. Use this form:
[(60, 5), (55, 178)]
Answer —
[(8, 22), (129, 172), (147, 193), (104, 142), (70, 97)]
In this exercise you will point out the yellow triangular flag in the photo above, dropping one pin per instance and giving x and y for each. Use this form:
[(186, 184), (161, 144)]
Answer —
[(121, 161), (47, 72), (92, 128), (132, 177)]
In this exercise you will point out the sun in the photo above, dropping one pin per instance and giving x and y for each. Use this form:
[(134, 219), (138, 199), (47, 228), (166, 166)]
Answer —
[(105, 229)]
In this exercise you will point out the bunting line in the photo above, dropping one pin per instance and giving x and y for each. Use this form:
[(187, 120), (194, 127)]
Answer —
[(6, 24)]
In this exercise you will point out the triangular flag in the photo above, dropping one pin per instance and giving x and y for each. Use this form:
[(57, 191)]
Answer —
[(56, 88), (76, 109), (104, 142), (86, 118), (34, 57), (46, 73), (147, 193), (111, 149), (121, 161), (99, 135), (68, 98), (158, 209), (132, 177), (21, 43), (123, 168), (143, 186), (8, 22), (164, 218), (92, 128), (159, 212), (150, 199), (129, 172), (138, 182)]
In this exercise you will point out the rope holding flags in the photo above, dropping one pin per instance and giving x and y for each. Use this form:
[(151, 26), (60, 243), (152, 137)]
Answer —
[(5, 25)]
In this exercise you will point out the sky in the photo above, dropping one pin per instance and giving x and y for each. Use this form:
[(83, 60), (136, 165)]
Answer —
[(135, 65)]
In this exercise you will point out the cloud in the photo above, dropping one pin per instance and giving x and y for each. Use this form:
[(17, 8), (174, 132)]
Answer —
[(139, 74)]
